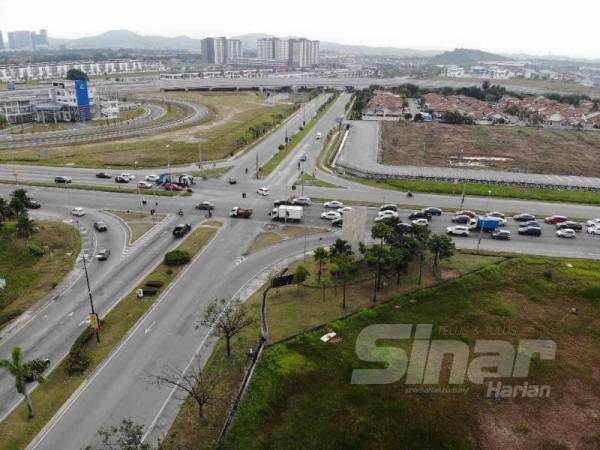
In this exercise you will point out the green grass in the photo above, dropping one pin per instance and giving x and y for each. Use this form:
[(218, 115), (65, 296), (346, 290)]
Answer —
[(481, 190), (17, 431), (29, 278), (39, 128), (272, 164), (310, 180), (301, 396), (138, 222), (212, 173), (291, 310), (123, 117)]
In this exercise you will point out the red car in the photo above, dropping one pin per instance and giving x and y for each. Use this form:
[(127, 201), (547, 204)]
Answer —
[(173, 187), (553, 220)]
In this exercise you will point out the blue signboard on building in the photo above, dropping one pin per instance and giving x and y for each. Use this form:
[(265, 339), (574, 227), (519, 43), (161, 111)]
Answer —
[(83, 100)]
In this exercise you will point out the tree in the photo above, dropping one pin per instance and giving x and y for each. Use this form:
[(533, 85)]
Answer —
[(24, 226), (20, 194), (3, 211), (398, 259), (422, 236), (20, 371), (227, 318), (344, 269), (321, 254), (17, 206), (340, 248), (76, 74), (300, 274), (376, 257), (485, 85), (193, 383), (127, 436), (442, 247)]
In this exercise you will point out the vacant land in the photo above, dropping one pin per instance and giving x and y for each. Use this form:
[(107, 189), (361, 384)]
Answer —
[(273, 233), (560, 152), (29, 277), (235, 120), (301, 395)]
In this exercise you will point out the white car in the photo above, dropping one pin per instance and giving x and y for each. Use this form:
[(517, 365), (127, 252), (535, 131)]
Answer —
[(388, 213), (458, 230), (78, 212), (593, 230), (264, 191), (145, 185), (344, 209), (423, 222), (566, 233), (128, 176), (319, 136), (152, 178), (330, 215), (334, 204), (593, 223)]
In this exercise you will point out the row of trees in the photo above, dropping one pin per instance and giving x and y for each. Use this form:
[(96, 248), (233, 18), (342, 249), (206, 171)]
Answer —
[(16, 209)]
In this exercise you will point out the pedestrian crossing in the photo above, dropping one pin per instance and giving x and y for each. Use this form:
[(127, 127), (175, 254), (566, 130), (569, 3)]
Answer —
[(129, 249)]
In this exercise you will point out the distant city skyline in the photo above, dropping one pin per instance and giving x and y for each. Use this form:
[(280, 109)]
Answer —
[(514, 27)]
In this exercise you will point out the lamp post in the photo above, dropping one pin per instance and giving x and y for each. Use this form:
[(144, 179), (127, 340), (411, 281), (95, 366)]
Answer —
[(169, 161), (487, 208), (87, 280)]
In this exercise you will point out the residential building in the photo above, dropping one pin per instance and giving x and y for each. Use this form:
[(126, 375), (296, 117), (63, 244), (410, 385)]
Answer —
[(303, 53), (40, 40), (272, 49), (220, 50), (233, 49), (264, 49), (27, 40), (1, 41)]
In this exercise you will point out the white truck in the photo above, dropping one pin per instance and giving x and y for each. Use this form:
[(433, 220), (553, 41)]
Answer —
[(287, 213)]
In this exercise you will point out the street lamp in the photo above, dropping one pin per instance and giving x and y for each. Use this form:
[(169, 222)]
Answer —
[(169, 161), (93, 316)]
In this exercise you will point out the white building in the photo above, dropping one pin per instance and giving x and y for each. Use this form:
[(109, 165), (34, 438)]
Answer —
[(303, 53), (272, 49), (220, 50)]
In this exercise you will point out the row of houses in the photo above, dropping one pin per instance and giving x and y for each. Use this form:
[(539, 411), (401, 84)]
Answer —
[(48, 71)]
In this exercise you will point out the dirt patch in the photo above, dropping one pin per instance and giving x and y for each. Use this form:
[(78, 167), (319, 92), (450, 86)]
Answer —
[(521, 149)]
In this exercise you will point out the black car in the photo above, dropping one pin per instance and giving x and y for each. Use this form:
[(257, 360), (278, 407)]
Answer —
[(462, 218), (100, 226), (103, 175), (432, 210), (120, 179), (530, 231), (524, 217), (388, 207), (531, 223), (103, 254), (570, 225), (61, 179), (404, 227), (205, 205), (419, 215), (181, 230), (33, 204), (232, 180), (337, 222), (503, 235), (277, 203)]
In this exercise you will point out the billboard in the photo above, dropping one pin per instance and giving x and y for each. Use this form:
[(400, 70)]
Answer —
[(83, 100)]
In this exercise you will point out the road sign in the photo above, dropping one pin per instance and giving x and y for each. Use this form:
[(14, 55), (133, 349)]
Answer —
[(94, 322), (283, 280)]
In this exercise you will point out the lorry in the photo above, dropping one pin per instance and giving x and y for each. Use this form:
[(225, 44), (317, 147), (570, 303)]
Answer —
[(240, 212), (485, 223), (287, 213)]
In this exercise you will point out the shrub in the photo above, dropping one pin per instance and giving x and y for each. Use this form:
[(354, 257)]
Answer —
[(149, 290), (77, 361), (35, 250), (10, 315), (155, 283), (177, 258), (281, 147)]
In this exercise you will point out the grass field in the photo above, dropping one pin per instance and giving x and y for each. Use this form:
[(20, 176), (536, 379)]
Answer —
[(139, 223), (522, 149), (301, 396), (290, 311), (273, 233), (38, 128), (16, 431), (227, 130), (123, 117), (29, 278)]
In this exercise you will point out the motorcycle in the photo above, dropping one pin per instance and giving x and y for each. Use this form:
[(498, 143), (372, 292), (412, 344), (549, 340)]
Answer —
[(409, 194), (180, 212)]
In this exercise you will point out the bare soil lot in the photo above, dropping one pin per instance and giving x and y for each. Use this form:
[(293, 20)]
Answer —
[(561, 152)]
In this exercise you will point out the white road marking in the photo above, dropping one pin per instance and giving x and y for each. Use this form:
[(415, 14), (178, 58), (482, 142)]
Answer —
[(149, 329)]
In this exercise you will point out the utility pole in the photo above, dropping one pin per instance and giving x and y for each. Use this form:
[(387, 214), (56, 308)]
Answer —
[(169, 162), (257, 174), (87, 280), (199, 155)]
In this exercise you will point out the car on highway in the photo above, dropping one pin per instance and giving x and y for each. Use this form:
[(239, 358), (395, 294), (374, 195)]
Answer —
[(205, 205), (32, 204), (301, 201), (331, 215), (553, 220), (103, 254), (277, 203), (60, 179), (503, 235), (103, 175), (524, 217), (345, 209), (419, 215), (78, 212), (181, 230), (593, 223), (264, 191), (232, 180), (432, 210), (120, 179), (593, 230), (458, 230), (495, 214), (388, 213), (566, 233), (152, 178), (145, 185), (319, 136), (466, 212), (530, 231), (575, 226), (173, 187), (460, 218), (420, 222), (531, 223), (337, 222), (334, 204), (303, 158), (127, 175), (100, 226), (388, 207), (387, 219)]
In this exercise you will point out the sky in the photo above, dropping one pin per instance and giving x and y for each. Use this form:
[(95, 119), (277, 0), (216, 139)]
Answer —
[(539, 27)]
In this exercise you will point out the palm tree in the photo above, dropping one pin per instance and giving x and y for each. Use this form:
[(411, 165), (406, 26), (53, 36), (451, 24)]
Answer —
[(340, 248), (321, 255), (19, 370), (24, 226), (441, 247)]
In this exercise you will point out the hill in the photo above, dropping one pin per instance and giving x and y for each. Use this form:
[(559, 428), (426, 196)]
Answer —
[(465, 57), (129, 39)]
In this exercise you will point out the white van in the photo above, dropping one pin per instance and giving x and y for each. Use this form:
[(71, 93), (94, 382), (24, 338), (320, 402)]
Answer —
[(78, 212)]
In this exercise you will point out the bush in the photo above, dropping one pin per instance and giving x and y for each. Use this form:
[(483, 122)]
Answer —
[(177, 258), (149, 290), (281, 147), (8, 316), (155, 283), (77, 361), (35, 250)]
